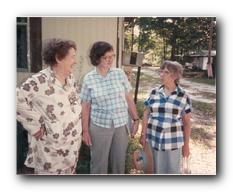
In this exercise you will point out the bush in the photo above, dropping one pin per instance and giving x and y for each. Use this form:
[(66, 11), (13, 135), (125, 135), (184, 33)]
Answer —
[(140, 106), (132, 146)]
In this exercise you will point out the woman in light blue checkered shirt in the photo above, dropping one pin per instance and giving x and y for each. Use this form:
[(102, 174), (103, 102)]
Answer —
[(166, 121), (106, 100)]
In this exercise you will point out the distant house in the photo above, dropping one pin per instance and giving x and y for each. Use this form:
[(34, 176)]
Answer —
[(31, 31), (199, 60)]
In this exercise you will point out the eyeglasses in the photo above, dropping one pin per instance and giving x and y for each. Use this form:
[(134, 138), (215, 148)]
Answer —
[(111, 57), (166, 72)]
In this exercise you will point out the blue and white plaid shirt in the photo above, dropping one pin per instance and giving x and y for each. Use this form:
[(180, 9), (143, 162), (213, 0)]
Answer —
[(165, 126), (107, 97)]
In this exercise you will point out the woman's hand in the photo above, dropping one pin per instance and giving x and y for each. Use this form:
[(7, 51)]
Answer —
[(133, 113), (135, 128), (39, 134), (86, 138), (143, 140), (86, 107)]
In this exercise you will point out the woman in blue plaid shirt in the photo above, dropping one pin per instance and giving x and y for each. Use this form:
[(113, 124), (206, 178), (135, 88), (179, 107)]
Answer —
[(166, 121), (106, 100)]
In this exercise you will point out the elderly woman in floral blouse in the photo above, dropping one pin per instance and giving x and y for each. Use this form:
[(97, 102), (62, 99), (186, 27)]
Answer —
[(48, 107), (166, 121)]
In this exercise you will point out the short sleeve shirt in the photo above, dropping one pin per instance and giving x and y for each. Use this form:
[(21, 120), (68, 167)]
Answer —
[(107, 97), (165, 126), (43, 103)]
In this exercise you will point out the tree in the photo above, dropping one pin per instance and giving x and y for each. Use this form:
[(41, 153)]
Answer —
[(169, 36)]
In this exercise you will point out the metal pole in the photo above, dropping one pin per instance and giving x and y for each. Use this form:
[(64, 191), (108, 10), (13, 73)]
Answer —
[(137, 84)]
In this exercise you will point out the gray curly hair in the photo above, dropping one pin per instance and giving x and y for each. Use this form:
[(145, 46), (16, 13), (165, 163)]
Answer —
[(174, 68)]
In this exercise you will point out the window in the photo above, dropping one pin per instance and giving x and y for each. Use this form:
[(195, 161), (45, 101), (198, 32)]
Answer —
[(22, 48), (29, 44)]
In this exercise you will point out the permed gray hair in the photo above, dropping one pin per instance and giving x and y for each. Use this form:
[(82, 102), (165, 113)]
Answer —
[(174, 68)]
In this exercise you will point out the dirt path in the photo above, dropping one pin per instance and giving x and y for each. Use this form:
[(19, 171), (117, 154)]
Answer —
[(203, 137)]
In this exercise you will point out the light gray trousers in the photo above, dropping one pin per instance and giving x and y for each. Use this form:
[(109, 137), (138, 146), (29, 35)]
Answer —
[(167, 162), (109, 147)]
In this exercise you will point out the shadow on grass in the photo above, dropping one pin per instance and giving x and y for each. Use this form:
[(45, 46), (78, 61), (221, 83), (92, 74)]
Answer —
[(203, 136), (205, 109)]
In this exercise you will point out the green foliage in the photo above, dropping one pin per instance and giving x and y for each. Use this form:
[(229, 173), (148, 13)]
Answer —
[(132, 146), (140, 106), (164, 37)]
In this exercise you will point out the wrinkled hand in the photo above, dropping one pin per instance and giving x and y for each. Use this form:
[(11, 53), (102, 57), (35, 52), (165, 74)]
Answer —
[(86, 138), (39, 134), (143, 140), (135, 128)]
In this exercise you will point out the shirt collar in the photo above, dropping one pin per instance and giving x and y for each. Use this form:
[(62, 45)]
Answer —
[(176, 91), (97, 73), (51, 75), (53, 80)]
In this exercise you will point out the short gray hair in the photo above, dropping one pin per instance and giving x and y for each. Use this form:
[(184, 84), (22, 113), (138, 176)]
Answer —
[(175, 68)]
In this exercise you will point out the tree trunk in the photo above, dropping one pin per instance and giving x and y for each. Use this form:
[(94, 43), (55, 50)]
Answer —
[(132, 37), (173, 52), (164, 49), (209, 62)]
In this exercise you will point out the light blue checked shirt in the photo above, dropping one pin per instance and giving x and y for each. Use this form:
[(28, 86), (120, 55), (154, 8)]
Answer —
[(107, 97)]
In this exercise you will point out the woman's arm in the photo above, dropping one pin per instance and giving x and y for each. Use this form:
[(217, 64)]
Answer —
[(27, 114), (144, 126), (86, 108), (187, 131), (133, 113)]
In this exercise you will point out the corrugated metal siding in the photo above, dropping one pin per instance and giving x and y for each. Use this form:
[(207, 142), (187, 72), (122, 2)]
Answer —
[(84, 31)]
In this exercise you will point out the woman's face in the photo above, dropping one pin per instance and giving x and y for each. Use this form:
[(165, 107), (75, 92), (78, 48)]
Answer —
[(166, 77), (68, 62), (107, 59)]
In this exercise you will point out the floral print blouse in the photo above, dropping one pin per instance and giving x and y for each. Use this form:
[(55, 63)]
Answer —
[(43, 103)]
